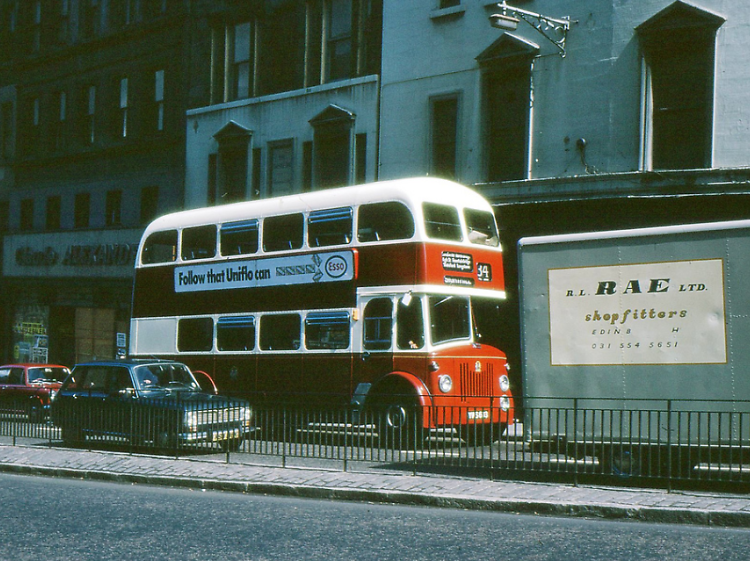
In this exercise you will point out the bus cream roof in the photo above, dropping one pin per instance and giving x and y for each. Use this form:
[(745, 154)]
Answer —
[(411, 191)]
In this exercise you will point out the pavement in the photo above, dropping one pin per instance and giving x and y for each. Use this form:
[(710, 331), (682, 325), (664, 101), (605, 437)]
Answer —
[(424, 489)]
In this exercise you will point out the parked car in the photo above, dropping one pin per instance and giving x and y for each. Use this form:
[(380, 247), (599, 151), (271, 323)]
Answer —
[(29, 388), (147, 402)]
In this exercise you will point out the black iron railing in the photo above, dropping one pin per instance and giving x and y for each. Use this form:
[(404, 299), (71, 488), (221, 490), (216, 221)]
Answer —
[(668, 443)]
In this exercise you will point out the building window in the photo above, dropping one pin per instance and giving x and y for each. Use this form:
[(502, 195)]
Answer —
[(678, 47), (61, 33), (81, 210), (231, 169), (294, 45), (448, 3), (62, 115), (53, 213), (506, 77), (281, 168), (113, 208), (89, 121), (36, 27), (4, 216), (332, 147), (90, 18), (123, 106), (241, 70), (339, 40), (149, 203), (27, 215), (35, 112), (444, 137), (159, 98), (6, 130)]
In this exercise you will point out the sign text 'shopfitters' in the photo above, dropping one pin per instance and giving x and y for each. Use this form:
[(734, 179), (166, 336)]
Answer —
[(274, 271), (651, 313)]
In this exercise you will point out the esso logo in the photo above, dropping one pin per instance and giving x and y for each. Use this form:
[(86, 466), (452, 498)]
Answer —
[(336, 266)]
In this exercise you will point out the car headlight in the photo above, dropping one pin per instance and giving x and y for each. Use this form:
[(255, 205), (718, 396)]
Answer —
[(445, 383), (246, 414), (504, 383), (191, 421)]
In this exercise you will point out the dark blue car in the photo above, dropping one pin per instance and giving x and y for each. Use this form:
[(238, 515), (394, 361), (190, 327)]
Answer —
[(147, 402)]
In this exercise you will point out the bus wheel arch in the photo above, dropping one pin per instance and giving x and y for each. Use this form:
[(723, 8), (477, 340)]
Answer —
[(397, 404)]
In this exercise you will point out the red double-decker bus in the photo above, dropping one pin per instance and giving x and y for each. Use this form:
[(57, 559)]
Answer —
[(360, 295)]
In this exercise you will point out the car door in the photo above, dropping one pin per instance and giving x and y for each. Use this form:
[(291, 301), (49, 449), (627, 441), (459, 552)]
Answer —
[(117, 403)]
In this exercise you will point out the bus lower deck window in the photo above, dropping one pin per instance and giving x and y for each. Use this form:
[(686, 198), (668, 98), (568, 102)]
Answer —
[(378, 321), (280, 332), (195, 334), (235, 333), (327, 330)]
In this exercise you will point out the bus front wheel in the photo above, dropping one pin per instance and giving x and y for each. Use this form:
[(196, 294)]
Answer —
[(399, 423)]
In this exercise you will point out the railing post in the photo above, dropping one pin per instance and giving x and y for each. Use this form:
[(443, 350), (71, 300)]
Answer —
[(669, 445), (575, 442)]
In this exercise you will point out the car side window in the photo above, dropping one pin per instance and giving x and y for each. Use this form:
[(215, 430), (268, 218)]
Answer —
[(16, 376), (119, 379), (4, 375)]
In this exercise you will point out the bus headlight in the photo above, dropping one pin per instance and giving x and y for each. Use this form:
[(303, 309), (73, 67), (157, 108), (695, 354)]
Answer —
[(445, 383), (504, 403), (504, 383)]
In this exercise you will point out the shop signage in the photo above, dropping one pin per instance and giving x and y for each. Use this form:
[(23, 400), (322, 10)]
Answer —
[(71, 253), (78, 256)]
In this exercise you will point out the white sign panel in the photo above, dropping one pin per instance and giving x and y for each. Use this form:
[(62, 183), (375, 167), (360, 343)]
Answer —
[(274, 271), (654, 313)]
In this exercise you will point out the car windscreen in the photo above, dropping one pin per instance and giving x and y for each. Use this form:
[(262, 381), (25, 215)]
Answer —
[(173, 376), (47, 374)]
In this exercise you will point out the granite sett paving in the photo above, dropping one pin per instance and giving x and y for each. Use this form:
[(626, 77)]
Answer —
[(652, 505)]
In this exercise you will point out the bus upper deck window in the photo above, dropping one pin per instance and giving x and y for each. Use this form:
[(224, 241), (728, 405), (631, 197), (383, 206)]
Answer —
[(283, 232), (160, 247), (384, 221), (235, 333), (198, 242), (442, 222), (239, 238), (329, 227), (482, 228)]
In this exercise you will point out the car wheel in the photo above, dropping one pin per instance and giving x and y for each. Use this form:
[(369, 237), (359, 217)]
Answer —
[(36, 411), (166, 441), (231, 444), (72, 436)]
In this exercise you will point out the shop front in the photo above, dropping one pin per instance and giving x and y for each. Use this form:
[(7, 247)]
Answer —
[(66, 296)]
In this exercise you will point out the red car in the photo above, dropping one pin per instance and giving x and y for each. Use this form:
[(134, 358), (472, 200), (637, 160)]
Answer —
[(29, 388)]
